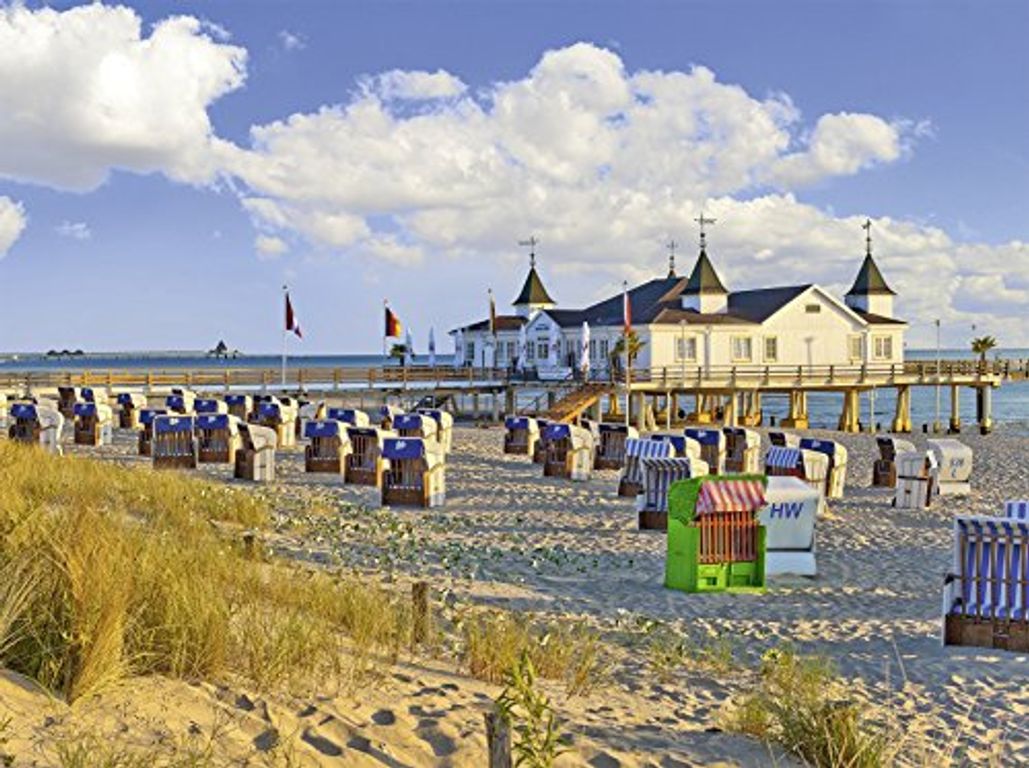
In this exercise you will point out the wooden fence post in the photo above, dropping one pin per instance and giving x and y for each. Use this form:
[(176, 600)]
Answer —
[(498, 739), (421, 618)]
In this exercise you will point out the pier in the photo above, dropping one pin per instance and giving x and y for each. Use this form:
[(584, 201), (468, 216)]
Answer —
[(653, 397)]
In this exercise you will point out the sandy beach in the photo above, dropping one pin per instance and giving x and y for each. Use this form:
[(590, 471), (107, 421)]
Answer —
[(570, 552)]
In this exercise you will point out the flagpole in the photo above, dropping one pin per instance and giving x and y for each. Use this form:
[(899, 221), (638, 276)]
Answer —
[(628, 358), (285, 296)]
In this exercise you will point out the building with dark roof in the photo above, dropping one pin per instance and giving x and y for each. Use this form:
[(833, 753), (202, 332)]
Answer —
[(696, 321)]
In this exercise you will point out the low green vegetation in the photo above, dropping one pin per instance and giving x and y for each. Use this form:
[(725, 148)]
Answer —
[(538, 741)]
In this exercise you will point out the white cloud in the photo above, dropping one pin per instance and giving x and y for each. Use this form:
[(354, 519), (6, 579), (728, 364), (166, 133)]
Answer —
[(269, 247), (83, 92), (291, 41), (415, 85), (12, 223), (76, 230)]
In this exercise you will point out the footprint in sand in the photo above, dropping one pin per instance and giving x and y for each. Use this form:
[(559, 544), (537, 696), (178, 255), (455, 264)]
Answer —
[(384, 717), (266, 740), (323, 745), (604, 760), (441, 744)]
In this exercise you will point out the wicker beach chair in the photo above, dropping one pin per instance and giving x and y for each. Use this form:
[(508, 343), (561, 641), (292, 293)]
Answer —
[(712, 447), (386, 414), (352, 417), (1017, 510), (611, 445), (986, 593), (630, 483), (955, 461), (784, 439), (569, 452), (658, 476), (66, 399), (328, 448), (174, 445), (414, 474), (217, 436), (539, 452), (36, 424), (94, 424), (683, 447), (255, 460), (210, 405), (309, 411), (281, 416), (917, 479), (521, 433), (742, 451), (810, 466), (444, 427), (129, 406), (884, 471), (415, 425), (716, 542), (240, 406), (145, 441), (365, 463), (837, 454)]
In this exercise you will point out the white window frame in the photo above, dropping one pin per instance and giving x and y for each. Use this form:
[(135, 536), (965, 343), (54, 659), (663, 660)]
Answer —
[(748, 341), (774, 357), (683, 344), (882, 346), (858, 339)]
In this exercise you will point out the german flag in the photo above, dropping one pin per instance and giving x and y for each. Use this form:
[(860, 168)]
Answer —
[(394, 330), (492, 314)]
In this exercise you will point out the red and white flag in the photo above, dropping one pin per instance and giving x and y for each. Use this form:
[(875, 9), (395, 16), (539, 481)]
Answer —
[(626, 309), (292, 324)]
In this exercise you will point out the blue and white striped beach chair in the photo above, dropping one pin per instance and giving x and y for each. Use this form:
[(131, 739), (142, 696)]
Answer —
[(986, 595), (658, 476), (636, 450), (1017, 510)]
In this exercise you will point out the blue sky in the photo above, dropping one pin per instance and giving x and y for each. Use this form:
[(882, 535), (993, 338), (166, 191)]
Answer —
[(154, 247)]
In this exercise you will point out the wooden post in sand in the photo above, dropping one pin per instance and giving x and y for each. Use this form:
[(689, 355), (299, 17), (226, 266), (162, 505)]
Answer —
[(498, 739), (420, 612), (250, 545)]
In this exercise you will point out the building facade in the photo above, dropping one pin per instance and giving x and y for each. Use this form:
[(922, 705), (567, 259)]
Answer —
[(695, 324)]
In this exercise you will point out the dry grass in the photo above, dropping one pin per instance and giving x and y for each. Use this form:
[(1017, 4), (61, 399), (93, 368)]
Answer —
[(801, 704), (109, 571), (495, 641)]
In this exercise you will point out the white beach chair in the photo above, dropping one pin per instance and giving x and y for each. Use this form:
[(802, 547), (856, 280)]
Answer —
[(180, 401), (630, 483), (569, 452), (917, 479), (328, 446), (415, 425), (837, 455), (789, 520), (712, 447), (414, 473), (955, 462), (146, 429), (684, 447), (783, 439), (255, 460), (658, 476), (210, 405), (521, 433), (742, 451), (94, 424), (810, 466)]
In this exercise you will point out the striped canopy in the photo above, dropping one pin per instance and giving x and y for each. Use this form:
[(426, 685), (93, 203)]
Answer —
[(730, 495), (782, 457)]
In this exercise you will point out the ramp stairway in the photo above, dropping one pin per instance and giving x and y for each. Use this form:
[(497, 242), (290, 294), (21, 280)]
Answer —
[(575, 403)]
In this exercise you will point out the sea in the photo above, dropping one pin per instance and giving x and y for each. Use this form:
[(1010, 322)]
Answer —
[(1010, 401)]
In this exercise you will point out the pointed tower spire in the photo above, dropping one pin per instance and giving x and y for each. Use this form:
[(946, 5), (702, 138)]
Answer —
[(534, 295), (704, 290), (870, 293)]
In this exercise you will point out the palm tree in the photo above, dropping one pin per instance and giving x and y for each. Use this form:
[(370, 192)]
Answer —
[(399, 351), (635, 347), (982, 345)]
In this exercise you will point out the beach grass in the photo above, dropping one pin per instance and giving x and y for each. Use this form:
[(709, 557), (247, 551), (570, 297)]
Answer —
[(111, 571)]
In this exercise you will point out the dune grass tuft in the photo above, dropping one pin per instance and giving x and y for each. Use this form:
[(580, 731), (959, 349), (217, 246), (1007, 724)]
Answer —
[(110, 571)]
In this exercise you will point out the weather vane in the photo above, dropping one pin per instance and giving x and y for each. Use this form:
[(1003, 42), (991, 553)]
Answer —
[(702, 220), (532, 242), (867, 226), (672, 245)]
